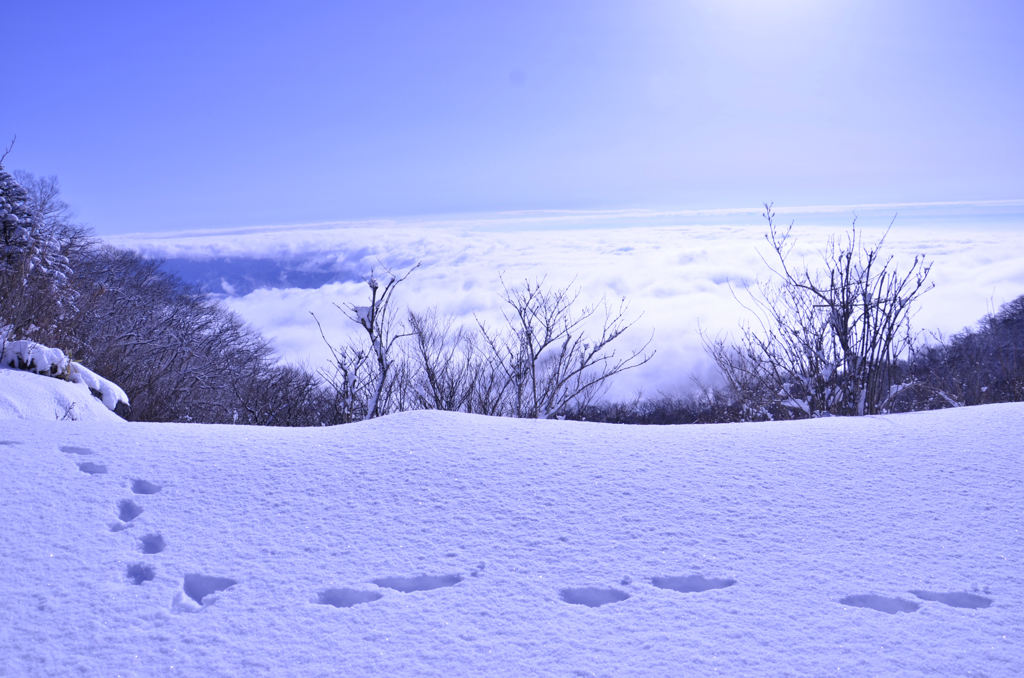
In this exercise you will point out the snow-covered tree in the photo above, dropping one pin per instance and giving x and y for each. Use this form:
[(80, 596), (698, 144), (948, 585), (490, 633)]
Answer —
[(35, 293), (58, 221)]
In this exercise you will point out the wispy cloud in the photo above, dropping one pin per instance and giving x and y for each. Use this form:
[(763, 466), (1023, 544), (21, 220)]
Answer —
[(937, 212)]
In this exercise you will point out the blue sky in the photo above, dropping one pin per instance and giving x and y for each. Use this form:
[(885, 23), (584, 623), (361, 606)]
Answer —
[(192, 115)]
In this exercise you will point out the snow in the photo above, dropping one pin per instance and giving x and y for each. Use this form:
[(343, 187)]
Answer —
[(52, 361), (433, 543), (24, 395), (362, 314)]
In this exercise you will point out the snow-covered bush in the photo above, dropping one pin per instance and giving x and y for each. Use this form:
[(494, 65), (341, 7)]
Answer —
[(52, 362)]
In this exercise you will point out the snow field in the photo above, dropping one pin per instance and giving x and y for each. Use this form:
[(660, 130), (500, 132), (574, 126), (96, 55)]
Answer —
[(433, 543)]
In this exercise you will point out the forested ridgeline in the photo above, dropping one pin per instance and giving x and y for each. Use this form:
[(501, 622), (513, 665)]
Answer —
[(179, 355), (183, 357)]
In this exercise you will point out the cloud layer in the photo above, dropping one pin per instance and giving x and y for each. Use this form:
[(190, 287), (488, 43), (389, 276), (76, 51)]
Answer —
[(674, 276)]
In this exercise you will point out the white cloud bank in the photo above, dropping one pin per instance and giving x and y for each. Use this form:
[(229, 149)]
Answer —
[(674, 275)]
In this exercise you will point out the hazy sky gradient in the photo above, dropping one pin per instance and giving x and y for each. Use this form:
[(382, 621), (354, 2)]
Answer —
[(192, 115)]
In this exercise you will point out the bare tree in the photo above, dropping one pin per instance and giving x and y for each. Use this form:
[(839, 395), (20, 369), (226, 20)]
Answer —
[(364, 376), (976, 366), (537, 365), (178, 354), (447, 360), (548, 359), (828, 341), (279, 395), (56, 217), (347, 377)]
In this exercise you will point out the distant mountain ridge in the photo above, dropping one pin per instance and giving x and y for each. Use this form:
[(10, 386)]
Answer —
[(238, 276)]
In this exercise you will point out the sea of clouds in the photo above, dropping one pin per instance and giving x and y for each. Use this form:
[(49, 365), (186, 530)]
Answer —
[(677, 270)]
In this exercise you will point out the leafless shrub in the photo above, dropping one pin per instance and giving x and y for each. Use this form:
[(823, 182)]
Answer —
[(179, 355), (700, 406), (538, 365), (448, 363), (170, 348), (827, 341), (281, 395), (546, 359)]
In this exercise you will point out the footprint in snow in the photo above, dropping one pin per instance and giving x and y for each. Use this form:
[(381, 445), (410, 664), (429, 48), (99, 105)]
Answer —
[(880, 603), (139, 573), (592, 596), (346, 597), (128, 510), (955, 599), (196, 588), (140, 486), (424, 582), (152, 543), (90, 467), (693, 583)]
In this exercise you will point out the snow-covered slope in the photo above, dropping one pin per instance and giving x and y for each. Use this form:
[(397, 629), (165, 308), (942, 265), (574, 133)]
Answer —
[(24, 395), (188, 550)]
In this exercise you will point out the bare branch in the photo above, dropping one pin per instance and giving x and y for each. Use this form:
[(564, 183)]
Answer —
[(829, 340), (7, 150)]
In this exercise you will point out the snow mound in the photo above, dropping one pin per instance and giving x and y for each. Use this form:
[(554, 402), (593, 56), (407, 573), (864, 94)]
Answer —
[(24, 395), (51, 362)]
